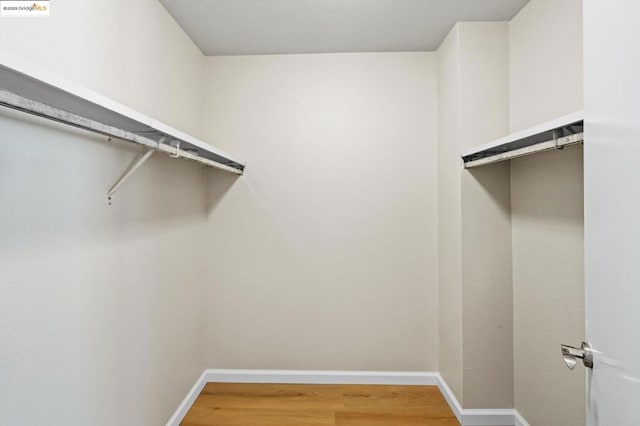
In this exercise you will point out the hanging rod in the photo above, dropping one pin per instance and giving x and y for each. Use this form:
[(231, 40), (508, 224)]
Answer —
[(27, 88), (555, 134), (13, 101)]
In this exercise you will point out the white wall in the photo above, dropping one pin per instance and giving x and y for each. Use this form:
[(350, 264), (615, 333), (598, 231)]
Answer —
[(547, 215), (474, 218), (545, 62), (101, 315), (324, 256), (130, 51), (486, 222), (548, 263), (450, 214)]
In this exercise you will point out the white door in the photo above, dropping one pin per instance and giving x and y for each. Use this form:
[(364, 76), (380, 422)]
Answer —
[(612, 209)]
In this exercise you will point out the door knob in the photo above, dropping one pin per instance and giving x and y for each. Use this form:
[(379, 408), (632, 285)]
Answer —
[(570, 353)]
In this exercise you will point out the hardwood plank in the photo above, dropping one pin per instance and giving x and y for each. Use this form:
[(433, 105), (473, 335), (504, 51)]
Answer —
[(395, 417), (376, 396), (200, 416), (272, 396), (249, 404)]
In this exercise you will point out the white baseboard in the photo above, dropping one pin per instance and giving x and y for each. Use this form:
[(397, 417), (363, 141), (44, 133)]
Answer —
[(466, 417), (188, 401), (476, 417), (488, 417), (519, 420), (320, 377), (451, 399)]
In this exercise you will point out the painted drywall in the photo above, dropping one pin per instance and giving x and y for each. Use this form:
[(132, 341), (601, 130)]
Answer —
[(474, 214), (545, 62), (487, 288), (450, 214), (548, 262), (101, 315), (486, 220), (324, 255), (130, 51), (266, 27), (547, 215)]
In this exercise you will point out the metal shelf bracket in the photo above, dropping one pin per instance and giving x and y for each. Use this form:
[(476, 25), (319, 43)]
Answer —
[(131, 170)]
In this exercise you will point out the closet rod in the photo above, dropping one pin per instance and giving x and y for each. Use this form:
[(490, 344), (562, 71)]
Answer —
[(554, 134), (29, 106), (549, 145), (26, 87)]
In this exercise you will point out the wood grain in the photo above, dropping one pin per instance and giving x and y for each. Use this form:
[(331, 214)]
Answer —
[(250, 404)]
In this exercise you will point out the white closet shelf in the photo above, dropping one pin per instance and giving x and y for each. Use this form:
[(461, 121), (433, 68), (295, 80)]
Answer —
[(554, 134), (26, 87)]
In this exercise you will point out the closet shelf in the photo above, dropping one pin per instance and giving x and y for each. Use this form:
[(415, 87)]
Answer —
[(554, 134), (25, 87)]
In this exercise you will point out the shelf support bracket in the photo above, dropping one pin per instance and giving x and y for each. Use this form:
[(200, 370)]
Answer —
[(131, 170)]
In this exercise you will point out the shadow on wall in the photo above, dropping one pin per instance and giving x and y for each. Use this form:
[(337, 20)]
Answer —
[(219, 183), (553, 184), (489, 179)]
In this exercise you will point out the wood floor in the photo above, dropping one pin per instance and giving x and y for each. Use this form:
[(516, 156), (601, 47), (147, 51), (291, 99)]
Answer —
[(300, 405)]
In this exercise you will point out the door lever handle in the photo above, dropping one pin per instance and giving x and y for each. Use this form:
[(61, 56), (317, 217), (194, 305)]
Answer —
[(570, 353)]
